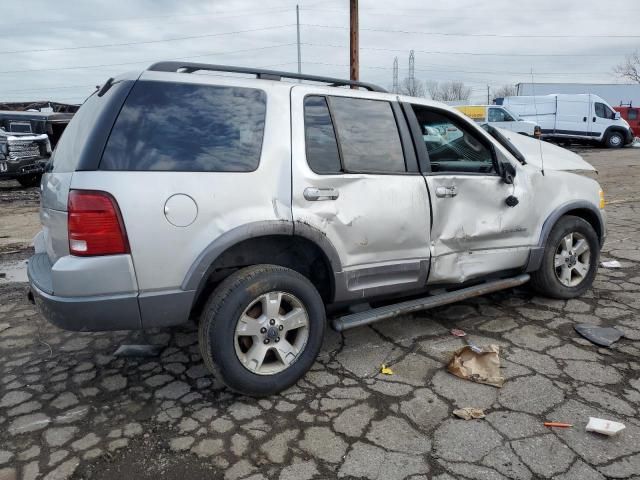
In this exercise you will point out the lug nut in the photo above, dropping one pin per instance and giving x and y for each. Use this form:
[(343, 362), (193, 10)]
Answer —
[(263, 330), (281, 328), (266, 341), (272, 322), (277, 339)]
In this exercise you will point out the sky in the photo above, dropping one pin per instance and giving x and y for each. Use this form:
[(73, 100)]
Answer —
[(60, 50)]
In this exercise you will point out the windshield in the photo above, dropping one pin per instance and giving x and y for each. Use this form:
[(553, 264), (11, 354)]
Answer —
[(513, 114), (505, 142)]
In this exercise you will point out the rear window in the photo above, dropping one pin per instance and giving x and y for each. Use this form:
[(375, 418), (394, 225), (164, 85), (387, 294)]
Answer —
[(182, 127)]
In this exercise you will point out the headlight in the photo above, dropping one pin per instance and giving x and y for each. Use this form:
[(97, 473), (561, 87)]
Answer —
[(602, 200)]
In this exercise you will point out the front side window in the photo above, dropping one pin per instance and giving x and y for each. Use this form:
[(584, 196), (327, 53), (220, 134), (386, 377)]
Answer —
[(633, 114), (368, 135), (499, 115), (183, 127), (320, 138), (603, 111), (453, 146)]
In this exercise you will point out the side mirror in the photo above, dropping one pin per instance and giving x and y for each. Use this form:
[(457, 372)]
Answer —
[(508, 172), (616, 116)]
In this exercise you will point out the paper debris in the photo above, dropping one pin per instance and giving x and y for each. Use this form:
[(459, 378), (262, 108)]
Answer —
[(605, 427), (468, 413), (479, 367), (611, 264), (385, 370)]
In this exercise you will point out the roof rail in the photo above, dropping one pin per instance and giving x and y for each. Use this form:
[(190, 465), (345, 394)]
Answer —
[(189, 67)]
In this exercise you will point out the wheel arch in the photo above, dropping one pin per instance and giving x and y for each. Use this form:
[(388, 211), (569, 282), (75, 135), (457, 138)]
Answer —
[(581, 209), (618, 129), (306, 251)]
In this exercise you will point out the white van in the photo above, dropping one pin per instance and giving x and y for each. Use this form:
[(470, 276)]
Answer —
[(500, 117), (578, 117)]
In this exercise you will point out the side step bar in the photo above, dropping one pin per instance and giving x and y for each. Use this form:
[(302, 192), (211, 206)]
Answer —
[(376, 314)]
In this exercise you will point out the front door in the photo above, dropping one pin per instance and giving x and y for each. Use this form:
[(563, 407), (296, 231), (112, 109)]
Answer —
[(500, 118), (602, 118), (356, 183), (474, 232)]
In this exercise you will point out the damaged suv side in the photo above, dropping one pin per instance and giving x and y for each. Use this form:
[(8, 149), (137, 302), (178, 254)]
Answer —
[(276, 202)]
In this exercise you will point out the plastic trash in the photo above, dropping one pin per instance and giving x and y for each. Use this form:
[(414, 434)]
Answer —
[(605, 427), (557, 424), (611, 264), (469, 413), (456, 332), (603, 336), (481, 366), (385, 370)]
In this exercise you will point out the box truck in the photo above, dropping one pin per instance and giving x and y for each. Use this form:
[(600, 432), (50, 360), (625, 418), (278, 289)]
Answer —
[(500, 117), (583, 117)]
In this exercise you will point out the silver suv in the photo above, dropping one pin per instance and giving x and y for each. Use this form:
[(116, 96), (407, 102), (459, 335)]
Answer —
[(253, 204)]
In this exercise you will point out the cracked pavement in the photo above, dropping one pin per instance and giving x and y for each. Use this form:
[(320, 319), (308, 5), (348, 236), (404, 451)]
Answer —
[(70, 409)]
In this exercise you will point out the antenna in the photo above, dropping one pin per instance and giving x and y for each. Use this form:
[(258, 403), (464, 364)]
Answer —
[(535, 107), (395, 88)]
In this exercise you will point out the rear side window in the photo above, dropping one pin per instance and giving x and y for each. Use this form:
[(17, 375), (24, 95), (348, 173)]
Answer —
[(320, 138), (368, 135), (633, 114), (182, 127)]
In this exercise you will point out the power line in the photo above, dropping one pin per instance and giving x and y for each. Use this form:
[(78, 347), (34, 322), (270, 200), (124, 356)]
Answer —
[(190, 37), (449, 52), (497, 35), (144, 61)]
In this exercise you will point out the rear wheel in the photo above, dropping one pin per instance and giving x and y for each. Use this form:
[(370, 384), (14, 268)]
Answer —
[(30, 180), (262, 329), (570, 259), (614, 140)]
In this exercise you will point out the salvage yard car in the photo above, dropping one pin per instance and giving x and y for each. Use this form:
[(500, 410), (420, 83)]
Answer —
[(275, 202), (500, 117), (26, 141)]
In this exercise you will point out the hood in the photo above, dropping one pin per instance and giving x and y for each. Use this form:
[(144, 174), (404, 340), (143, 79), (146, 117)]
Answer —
[(554, 157)]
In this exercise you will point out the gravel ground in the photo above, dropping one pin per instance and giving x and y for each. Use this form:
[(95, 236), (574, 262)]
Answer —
[(70, 409)]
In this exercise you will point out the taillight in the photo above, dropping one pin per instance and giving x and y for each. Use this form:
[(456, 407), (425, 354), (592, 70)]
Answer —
[(95, 224)]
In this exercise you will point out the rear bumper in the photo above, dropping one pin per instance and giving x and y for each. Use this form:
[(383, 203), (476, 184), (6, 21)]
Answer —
[(96, 294), (82, 314)]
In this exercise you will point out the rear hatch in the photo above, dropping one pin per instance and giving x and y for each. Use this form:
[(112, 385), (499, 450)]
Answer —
[(79, 148)]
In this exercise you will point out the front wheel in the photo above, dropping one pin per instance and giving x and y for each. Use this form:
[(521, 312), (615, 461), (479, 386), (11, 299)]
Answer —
[(262, 329), (614, 140), (570, 259)]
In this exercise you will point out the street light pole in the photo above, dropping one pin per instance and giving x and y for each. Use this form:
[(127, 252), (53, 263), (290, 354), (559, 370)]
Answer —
[(298, 38)]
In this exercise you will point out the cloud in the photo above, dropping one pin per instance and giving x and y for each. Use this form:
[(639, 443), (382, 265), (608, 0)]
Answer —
[(265, 35)]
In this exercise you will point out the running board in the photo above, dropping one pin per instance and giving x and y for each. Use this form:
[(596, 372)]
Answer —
[(376, 314)]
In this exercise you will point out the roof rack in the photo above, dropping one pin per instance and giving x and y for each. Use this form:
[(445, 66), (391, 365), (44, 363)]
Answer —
[(188, 67)]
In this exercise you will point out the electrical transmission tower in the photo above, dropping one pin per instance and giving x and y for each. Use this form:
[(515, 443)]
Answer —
[(412, 73), (396, 87)]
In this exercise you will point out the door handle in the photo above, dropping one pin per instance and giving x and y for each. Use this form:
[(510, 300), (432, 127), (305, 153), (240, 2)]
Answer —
[(594, 119), (584, 119), (317, 194), (446, 192)]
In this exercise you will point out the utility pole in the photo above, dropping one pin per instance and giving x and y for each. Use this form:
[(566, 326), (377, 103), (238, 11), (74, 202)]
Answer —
[(488, 95), (354, 62), (298, 35), (396, 87)]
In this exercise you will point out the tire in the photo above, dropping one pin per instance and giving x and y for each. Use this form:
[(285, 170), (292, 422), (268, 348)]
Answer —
[(233, 357), (552, 280), (30, 180), (614, 140)]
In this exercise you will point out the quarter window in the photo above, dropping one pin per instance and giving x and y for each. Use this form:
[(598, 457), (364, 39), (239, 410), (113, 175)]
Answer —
[(320, 138), (183, 127), (452, 145), (368, 135)]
